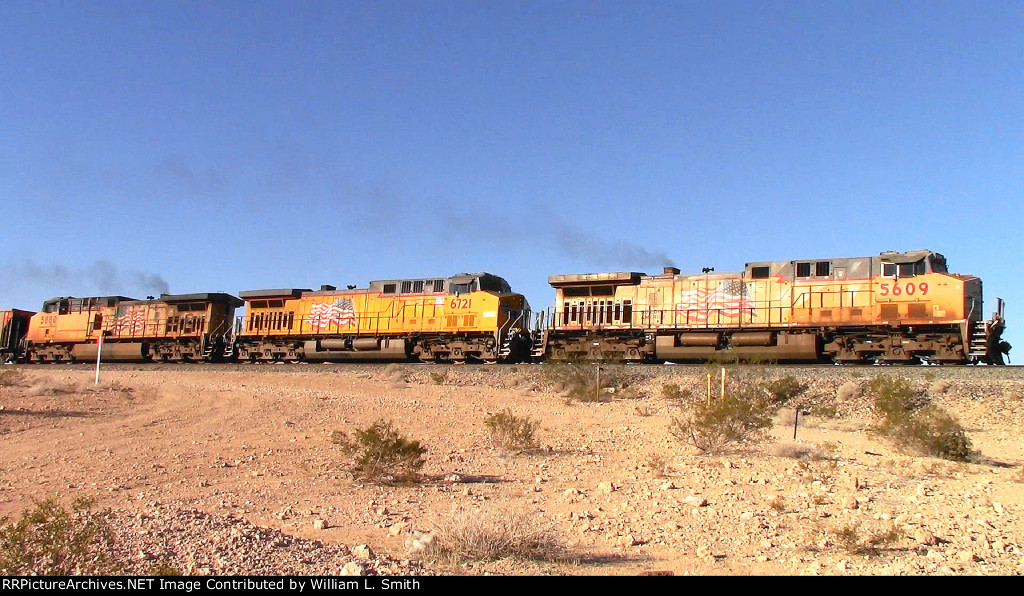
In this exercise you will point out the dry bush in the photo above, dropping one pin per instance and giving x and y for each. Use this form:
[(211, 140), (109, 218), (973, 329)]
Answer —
[(795, 451), (657, 465), (11, 377), (908, 419), (782, 390), (673, 392), (644, 411), (939, 388), (743, 414), (50, 540), (849, 391), (853, 540), (380, 454), (510, 431), (491, 535), (396, 374), (48, 386), (579, 381)]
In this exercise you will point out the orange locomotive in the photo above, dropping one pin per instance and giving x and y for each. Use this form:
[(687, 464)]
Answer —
[(174, 327), (467, 317), (896, 307)]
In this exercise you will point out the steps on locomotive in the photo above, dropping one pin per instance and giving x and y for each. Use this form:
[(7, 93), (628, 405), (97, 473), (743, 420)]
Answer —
[(540, 343), (979, 340), (505, 349)]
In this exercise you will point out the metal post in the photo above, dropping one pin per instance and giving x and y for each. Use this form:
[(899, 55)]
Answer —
[(709, 389), (796, 416), (597, 395), (99, 351), (723, 383)]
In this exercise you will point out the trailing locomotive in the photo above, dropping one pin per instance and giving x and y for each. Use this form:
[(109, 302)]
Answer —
[(466, 317), (893, 308), (174, 327)]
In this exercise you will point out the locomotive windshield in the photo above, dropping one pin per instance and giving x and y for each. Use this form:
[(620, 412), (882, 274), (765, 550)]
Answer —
[(904, 269), (485, 283), (493, 283)]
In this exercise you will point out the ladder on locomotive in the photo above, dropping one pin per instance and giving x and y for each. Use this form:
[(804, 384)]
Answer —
[(540, 335), (506, 335), (978, 347)]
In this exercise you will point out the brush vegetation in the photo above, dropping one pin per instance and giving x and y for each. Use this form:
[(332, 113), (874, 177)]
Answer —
[(380, 454), (908, 418)]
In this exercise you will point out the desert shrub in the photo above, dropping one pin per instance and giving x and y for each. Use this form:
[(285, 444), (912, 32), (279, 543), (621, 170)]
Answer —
[(657, 465), (380, 454), (939, 387), (894, 397), (510, 431), (803, 452), (674, 392), (579, 380), (50, 540), (397, 375), (908, 419), (439, 378), (744, 413), (490, 535), (643, 410), (10, 377), (853, 540), (783, 389), (849, 391)]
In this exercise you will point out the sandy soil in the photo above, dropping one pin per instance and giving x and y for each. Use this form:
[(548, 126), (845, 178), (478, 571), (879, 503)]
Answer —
[(182, 455)]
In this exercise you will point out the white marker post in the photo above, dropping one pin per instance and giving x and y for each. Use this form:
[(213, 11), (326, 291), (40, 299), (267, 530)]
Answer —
[(99, 350)]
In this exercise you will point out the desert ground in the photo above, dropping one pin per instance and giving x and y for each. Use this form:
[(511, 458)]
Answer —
[(211, 469)]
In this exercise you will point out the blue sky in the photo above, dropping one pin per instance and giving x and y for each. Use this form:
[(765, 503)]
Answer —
[(227, 146)]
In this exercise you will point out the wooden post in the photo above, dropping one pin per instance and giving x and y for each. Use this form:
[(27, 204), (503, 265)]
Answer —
[(709, 389), (723, 383)]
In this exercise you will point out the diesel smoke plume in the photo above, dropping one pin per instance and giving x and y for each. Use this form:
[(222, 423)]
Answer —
[(547, 229), (101, 277), (605, 252)]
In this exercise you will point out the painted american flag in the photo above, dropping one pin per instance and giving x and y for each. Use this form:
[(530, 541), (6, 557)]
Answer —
[(342, 313), (130, 320), (728, 299)]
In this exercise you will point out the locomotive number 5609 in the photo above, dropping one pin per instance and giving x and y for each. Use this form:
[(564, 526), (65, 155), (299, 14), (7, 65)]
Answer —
[(909, 289)]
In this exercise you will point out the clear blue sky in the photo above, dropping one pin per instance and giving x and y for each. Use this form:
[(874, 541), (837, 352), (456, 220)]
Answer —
[(227, 146)]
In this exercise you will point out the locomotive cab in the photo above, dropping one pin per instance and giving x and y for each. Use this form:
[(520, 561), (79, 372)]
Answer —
[(912, 263)]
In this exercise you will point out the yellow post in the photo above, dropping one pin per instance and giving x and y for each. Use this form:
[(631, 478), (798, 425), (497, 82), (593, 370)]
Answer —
[(709, 389), (723, 382)]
